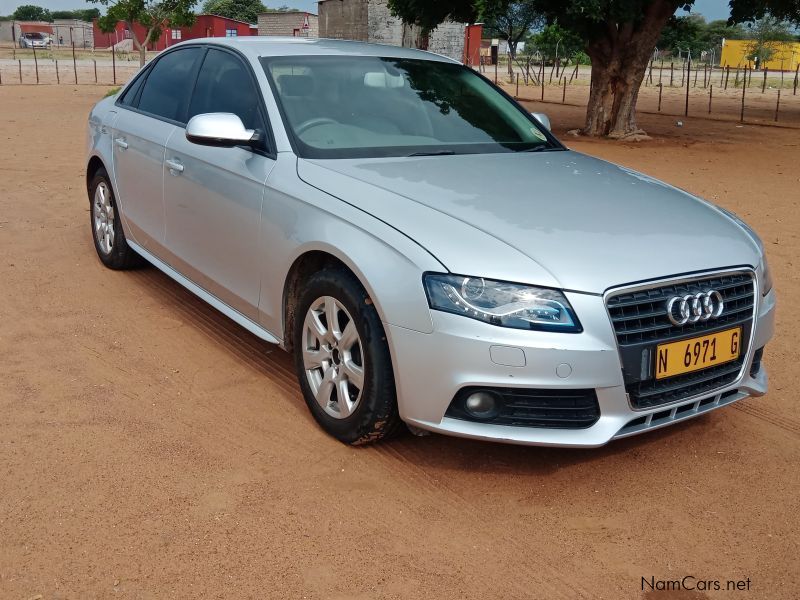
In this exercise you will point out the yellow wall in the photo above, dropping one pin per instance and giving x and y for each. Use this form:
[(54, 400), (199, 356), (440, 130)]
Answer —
[(786, 57)]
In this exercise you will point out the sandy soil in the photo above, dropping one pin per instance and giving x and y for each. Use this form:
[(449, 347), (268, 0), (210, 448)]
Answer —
[(150, 448)]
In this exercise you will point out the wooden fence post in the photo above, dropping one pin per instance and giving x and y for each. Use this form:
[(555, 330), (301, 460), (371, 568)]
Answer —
[(36, 64), (74, 62), (517, 96), (564, 93), (58, 79), (727, 76), (764, 86), (688, 67), (671, 73), (796, 76), (95, 70), (20, 70), (660, 91), (114, 66), (661, 72), (710, 97), (778, 105), (744, 89)]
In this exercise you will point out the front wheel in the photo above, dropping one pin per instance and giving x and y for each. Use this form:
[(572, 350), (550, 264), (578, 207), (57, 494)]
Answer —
[(343, 360)]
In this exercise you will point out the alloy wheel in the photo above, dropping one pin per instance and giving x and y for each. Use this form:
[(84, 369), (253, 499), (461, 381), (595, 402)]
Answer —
[(333, 357)]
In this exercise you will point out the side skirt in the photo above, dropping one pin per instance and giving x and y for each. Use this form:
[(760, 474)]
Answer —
[(226, 310)]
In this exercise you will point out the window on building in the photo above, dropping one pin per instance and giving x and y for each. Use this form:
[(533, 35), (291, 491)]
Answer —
[(176, 34), (231, 33)]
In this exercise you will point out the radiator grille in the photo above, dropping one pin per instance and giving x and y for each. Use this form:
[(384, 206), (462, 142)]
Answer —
[(641, 322)]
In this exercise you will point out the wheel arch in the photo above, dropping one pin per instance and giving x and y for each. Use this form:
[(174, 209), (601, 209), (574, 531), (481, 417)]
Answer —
[(310, 261), (93, 166)]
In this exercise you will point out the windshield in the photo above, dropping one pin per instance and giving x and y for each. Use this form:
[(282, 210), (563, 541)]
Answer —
[(360, 107), (34, 36)]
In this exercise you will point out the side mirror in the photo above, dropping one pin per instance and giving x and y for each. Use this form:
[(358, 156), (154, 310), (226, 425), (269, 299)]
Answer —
[(224, 130), (543, 119)]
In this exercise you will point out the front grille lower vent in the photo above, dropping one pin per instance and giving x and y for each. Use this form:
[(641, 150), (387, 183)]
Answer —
[(551, 409)]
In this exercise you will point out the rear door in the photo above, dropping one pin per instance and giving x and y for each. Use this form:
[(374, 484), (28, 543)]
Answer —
[(150, 112), (213, 196)]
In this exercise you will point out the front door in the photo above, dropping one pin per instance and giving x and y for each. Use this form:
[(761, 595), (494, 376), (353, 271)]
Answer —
[(213, 196)]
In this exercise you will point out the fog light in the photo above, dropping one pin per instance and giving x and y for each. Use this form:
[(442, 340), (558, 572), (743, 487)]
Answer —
[(482, 405)]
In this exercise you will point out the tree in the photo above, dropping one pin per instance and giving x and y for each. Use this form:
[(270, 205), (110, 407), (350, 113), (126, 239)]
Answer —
[(153, 15), (81, 14), (767, 36), (684, 33), (30, 12), (743, 11), (554, 41), (429, 14), (512, 23), (241, 10)]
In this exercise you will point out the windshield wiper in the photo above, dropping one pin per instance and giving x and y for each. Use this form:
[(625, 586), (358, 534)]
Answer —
[(433, 153), (539, 148)]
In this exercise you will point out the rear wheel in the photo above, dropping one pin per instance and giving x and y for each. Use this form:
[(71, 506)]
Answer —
[(109, 238), (343, 360)]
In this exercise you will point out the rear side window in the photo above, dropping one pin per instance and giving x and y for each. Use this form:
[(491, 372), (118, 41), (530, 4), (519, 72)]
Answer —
[(224, 84), (129, 97), (166, 91)]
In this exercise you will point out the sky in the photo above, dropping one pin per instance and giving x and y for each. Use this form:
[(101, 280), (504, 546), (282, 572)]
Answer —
[(711, 9)]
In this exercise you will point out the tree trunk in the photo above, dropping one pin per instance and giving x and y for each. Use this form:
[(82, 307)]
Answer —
[(619, 63), (140, 46)]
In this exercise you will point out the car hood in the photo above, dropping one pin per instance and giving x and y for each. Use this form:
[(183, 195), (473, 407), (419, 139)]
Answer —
[(559, 219)]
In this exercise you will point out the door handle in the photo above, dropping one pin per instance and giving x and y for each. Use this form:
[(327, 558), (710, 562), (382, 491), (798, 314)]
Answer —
[(121, 143), (174, 166)]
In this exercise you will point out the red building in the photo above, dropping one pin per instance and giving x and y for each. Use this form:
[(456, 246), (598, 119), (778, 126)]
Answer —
[(204, 26)]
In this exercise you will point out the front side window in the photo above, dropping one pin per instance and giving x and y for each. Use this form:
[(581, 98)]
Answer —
[(360, 107), (224, 84), (166, 91)]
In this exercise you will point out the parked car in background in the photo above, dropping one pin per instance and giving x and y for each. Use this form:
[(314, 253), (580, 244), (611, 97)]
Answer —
[(34, 39), (425, 248)]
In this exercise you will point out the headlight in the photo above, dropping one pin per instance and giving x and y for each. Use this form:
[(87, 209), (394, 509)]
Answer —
[(766, 276), (500, 303)]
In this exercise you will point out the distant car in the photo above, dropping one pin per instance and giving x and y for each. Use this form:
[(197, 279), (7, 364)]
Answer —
[(34, 39), (425, 247)]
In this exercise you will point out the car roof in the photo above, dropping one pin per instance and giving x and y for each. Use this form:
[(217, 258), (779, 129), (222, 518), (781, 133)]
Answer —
[(264, 46)]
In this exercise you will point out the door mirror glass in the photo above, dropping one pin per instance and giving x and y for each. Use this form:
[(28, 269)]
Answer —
[(224, 130), (543, 119)]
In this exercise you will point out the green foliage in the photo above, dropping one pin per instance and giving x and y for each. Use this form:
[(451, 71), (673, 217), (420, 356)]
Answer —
[(743, 11), (30, 12), (682, 34), (716, 31), (241, 10), (554, 41), (81, 14), (766, 36), (428, 14), (153, 16), (511, 22)]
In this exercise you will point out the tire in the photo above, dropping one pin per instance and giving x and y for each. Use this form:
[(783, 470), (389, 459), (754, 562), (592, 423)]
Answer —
[(323, 354), (109, 238)]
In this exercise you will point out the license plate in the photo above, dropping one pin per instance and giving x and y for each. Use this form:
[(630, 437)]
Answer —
[(677, 358)]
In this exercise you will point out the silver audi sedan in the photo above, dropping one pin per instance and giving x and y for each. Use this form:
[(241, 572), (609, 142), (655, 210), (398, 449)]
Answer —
[(425, 248)]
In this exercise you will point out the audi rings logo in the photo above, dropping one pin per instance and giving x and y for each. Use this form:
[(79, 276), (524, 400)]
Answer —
[(694, 308)]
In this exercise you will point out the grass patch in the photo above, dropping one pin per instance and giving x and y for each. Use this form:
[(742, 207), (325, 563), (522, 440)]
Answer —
[(112, 91)]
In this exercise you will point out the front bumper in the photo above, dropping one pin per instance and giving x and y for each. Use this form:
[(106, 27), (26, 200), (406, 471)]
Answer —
[(431, 368)]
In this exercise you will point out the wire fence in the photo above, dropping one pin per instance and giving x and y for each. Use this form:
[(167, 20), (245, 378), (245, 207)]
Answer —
[(681, 89)]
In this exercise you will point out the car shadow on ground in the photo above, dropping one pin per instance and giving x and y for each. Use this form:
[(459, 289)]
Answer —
[(433, 452)]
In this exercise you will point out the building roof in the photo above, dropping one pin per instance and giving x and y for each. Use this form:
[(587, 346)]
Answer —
[(256, 46)]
